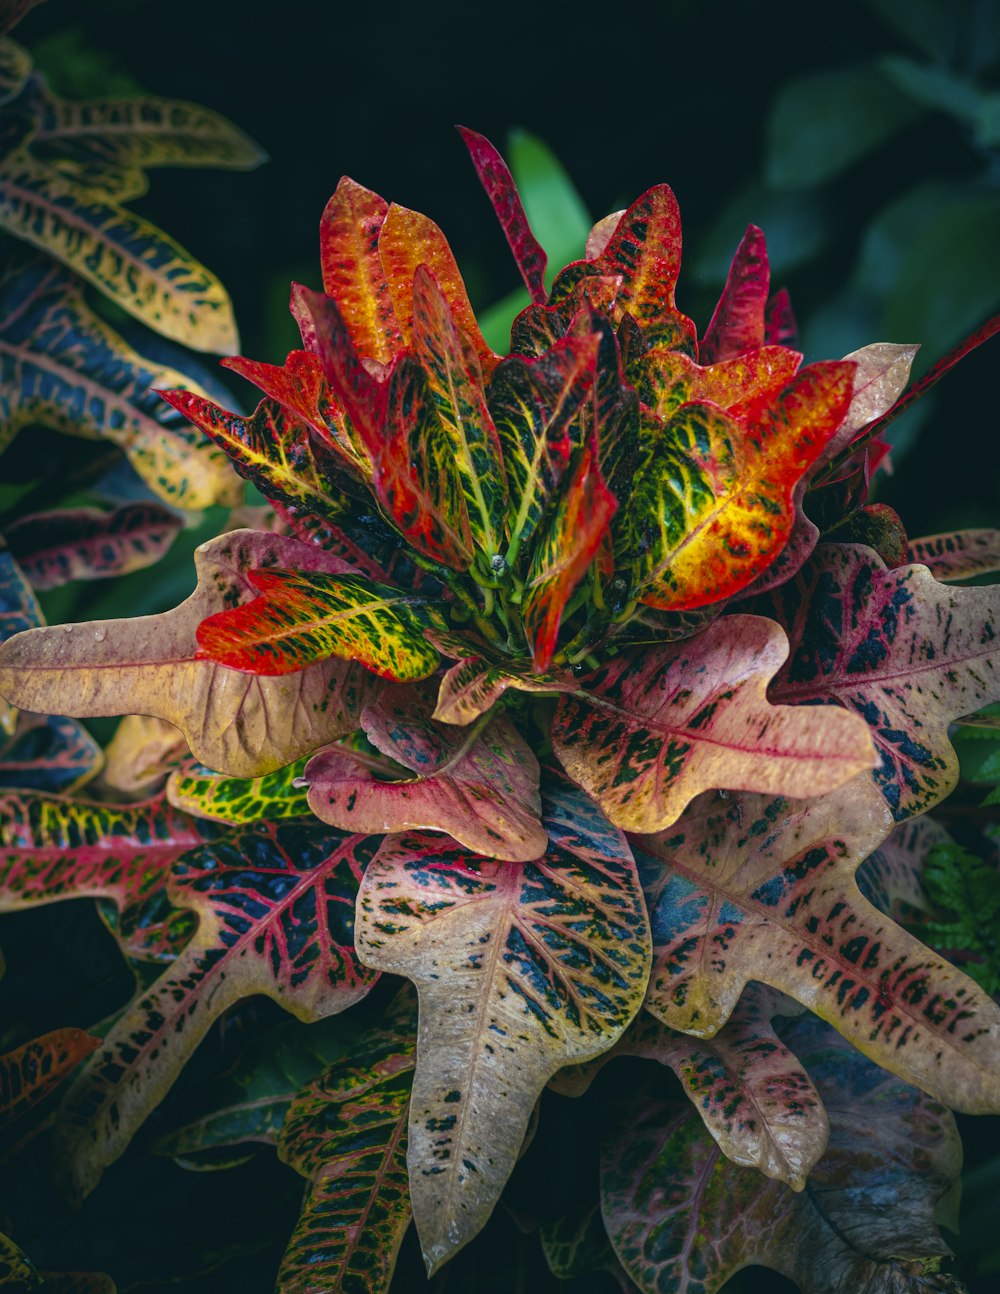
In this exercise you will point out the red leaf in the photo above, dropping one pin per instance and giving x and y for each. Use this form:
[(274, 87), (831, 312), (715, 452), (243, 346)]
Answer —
[(780, 326), (738, 324)]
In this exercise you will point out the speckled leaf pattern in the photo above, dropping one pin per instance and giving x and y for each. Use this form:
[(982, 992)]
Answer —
[(454, 380), (958, 555), (275, 909), (32, 1071), (17, 1272), (479, 784), (90, 544), (712, 505), (757, 888), (64, 367), (667, 379), (352, 269), (241, 724), (301, 618), (652, 729), (132, 262), (891, 877), (907, 654), (737, 324), (520, 969), (207, 794), (474, 685), (48, 753), (140, 755), (684, 1219), (346, 1134), (501, 190), (565, 548)]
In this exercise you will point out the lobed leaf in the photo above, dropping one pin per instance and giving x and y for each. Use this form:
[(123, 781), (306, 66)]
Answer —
[(242, 724), (48, 754), (32, 1071), (655, 728), (207, 794), (520, 969), (275, 909), (958, 555), (738, 322), (478, 784)]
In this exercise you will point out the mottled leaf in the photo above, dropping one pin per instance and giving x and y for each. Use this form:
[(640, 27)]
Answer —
[(667, 379), (520, 969), (132, 262), (275, 912), (958, 555), (242, 724), (30, 1072), (653, 729), (891, 877), (478, 784), (577, 1245), (780, 326), (474, 685), (683, 1218), (141, 754), (501, 190), (48, 754), (17, 1272), (764, 889), (207, 794), (352, 269), (15, 68), (899, 649), (346, 1134), (64, 367), (89, 544), (738, 325)]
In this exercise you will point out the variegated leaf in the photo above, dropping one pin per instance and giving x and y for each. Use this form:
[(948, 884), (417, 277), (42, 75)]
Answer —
[(780, 326), (89, 544), (683, 1218), (651, 730), (352, 269), (577, 1245), (15, 68), (958, 555), (30, 1072), (474, 685), (140, 755), (757, 888), (891, 877), (275, 909), (242, 724), (207, 794), (132, 262), (520, 969), (737, 325), (667, 379), (454, 380), (17, 1271), (303, 617), (48, 754), (346, 1134), (64, 367), (905, 653), (478, 784)]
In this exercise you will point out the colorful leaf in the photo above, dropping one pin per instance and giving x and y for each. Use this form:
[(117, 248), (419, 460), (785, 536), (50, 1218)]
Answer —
[(738, 324), (566, 546), (352, 269), (67, 369), (474, 685), (682, 1218), (346, 1134), (667, 379), (15, 68), (207, 794), (654, 729), (899, 649), (520, 969), (758, 888), (501, 190), (132, 262), (86, 543), (275, 912), (48, 754), (30, 1072), (780, 326), (244, 725), (479, 784), (141, 754), (958, 555), (891, 877), (303, 617)]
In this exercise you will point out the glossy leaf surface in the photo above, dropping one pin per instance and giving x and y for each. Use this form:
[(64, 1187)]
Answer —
[(30, 1072), (651, 730), (87, 543), (352, 269), (520, 969), (208, 794)]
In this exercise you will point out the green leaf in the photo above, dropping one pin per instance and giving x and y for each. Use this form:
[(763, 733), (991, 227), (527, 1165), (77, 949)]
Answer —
[(207, 794), (15, 68), (824, 122), (521, 968), (966, 889), (577, 1245)]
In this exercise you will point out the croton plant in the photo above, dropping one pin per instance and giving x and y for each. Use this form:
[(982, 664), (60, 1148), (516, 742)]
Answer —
[(583, 688)]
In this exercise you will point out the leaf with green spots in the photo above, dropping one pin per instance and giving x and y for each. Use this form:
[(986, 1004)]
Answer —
[(90, 544), (134, 264), (244, 725), (346, 1134), (520, 969), (667, 379), (759, 888), (455, 383), (906, 654), (48, 753), (651, 730), (683, 1218), (67, 369), (32, 1071), (207, 794), (275, 906), (958, 555), (479, 784), (301, 618)]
